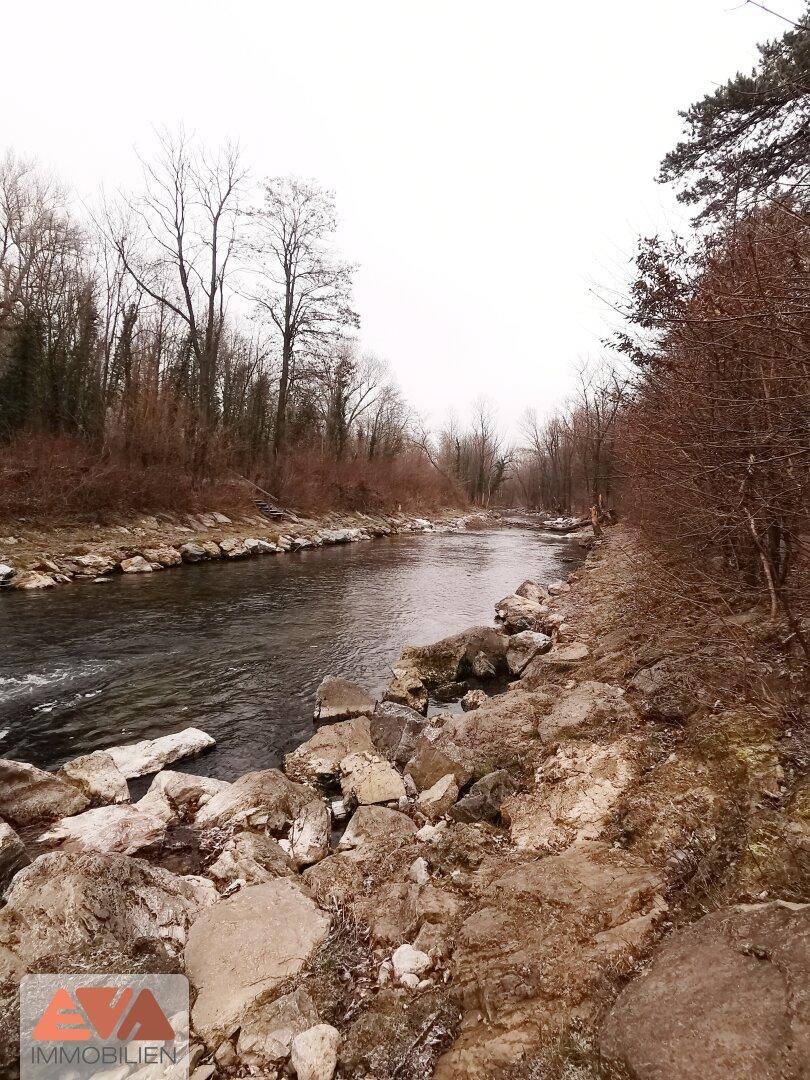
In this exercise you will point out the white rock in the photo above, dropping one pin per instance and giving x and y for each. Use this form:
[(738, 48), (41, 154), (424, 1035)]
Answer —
[(32, 579), (437, 800), (431, 833), (314, 1053), (524, 647), (410, 961), (385, 973), (122, 829), (419, 871), (367, 779), (309, 834), (136, 565), (98, 777), (141, 758), (175, 796), (5, 571), (29, 795), (410, 980)]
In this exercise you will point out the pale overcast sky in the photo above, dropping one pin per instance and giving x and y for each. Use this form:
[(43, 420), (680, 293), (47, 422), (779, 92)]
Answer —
[(493, 162)]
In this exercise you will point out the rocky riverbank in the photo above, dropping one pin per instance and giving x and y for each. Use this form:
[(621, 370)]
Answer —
[(599, 863), (42, 556)]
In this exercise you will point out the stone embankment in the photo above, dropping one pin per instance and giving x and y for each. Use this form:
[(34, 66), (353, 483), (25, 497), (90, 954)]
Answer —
[(33, 558), (596, 868)]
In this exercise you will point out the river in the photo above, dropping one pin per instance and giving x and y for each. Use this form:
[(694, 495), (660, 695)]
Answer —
[(239, 648)]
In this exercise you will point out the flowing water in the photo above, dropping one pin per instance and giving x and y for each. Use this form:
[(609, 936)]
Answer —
[(239, 648)]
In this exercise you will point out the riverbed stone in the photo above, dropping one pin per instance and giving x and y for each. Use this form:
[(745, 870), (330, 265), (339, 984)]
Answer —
[(250, 859), (534, 591), (265, 800), (163, 556), (309, 834), (374, 829), (193, 552), (176, 796), (98, 777), (435, 801), (318, 759), (13, 856), (233, 548), (561, 657), (523, 648), (247, 945), (367, 778), (315, 1052), (519, 613), (452, 659), (483, 801), (269, 1027), (725, 997), (118, 828), (31, 579), (431, 762), (29, 795), (406, 688), (338, 699), (137, 564), (150, 755)]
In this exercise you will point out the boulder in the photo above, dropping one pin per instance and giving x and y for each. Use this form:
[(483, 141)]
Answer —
[(375, 828), (29, 795), (269, 1027), (245, 946), (575, 792), (339, 699), (13, 856), (93, 565), (561, 658), (6, 571), (431, 762), (119, 828), (406, 688), (435, 801), (163, 556), (725, 997), (318, 759), (250, 859), (136, 565), (518, 613), (150, 755), (394, 730), (367, 778), (534, 591), (194, 552), (315, 1052), (483, 801), (97, 777), (233, 548), (265, 800), (409, 961), (31, 579), (451, 660), (176, 796), (589, 705), (309, 834), (523, 648)]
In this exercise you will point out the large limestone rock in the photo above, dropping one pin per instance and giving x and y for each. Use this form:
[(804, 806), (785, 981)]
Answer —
[(435, 801), (265, 800), (431, 762), (32, 579), (541, 934), (318, 759), (374, 829), (163, 556), (561, 658), (339, 699), (136, 565), (250, 859), (576, 791), (533, 590), (406, 688), (367, 778), (97, 777), (13, 856), (175, 796), (518, 613), (150, 755), (726, 997), (453, 658), (245, 946), (269, 1027), (523, 648), (29, 795), (394, 730), (309, 834), (483, 801), (119, 828), (589, 705)]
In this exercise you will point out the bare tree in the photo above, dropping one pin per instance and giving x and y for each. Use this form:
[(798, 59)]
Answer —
[(304, 288)]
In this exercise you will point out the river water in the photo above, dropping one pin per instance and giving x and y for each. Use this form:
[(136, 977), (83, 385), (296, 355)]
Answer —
[(239, 648)]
